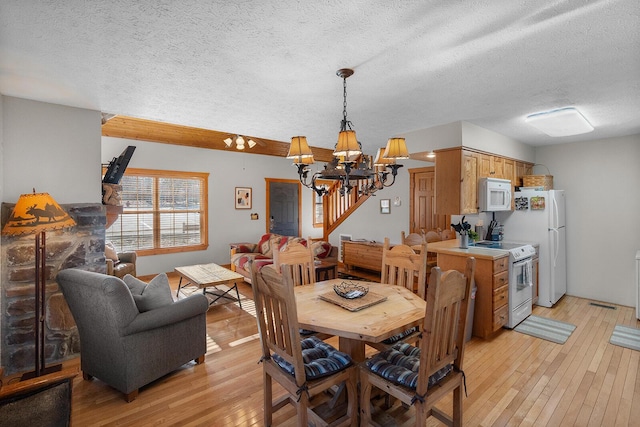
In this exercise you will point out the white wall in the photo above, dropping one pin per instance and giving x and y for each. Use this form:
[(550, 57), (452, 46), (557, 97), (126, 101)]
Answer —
[(602, 183), (52, 148), (466, 134), (227, 169)]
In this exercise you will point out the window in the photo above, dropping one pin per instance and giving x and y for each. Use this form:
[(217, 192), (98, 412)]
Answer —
[(163, 212)]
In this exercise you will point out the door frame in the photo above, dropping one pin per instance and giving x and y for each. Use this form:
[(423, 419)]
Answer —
[(268, 182)]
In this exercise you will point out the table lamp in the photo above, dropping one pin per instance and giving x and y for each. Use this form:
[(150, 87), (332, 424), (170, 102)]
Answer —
[(38, 213)]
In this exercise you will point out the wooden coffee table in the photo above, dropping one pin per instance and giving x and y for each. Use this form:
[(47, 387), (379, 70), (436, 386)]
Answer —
[(207, 276)]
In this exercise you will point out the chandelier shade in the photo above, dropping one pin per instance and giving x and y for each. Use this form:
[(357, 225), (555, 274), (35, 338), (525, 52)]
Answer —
[(381, 162), (347, 145), (396, 149), (299, 150)]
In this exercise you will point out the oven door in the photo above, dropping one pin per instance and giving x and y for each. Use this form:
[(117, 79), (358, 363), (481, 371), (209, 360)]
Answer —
[(520, 291)]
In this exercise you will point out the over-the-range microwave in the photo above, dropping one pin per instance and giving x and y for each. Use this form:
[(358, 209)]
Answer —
[(494, 194)]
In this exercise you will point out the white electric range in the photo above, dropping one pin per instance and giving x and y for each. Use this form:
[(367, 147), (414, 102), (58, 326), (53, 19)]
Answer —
[(521, 279)]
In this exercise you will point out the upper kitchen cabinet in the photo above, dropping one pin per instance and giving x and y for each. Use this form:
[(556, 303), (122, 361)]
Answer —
[(458, 170), (522, 169), (456, 181), (492, 166)]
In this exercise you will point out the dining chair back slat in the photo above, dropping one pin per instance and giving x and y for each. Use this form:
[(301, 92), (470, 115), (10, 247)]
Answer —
[(402, 266), (301, 258)]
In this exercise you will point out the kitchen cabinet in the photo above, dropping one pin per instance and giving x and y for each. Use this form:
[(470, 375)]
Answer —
[(458, 170), (522, 169), (491, 166), (491, 311), (456, 182)]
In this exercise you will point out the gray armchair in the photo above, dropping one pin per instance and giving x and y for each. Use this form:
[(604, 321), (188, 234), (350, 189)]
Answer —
[(124, 347)]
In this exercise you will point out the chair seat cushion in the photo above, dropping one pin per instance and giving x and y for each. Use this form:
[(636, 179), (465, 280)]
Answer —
[(400, 365), (320, 359), (394, 339)]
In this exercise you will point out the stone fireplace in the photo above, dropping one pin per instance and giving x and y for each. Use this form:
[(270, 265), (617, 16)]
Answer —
[(80, 246)]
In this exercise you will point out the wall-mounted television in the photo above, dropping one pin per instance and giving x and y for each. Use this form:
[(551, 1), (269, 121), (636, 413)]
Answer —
[(117, 166)]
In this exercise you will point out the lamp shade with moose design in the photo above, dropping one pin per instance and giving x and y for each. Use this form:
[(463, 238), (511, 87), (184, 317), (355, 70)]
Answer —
[(34, 213)]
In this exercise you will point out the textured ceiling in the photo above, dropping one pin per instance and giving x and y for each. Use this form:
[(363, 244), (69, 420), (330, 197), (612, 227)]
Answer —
[(267, 68)]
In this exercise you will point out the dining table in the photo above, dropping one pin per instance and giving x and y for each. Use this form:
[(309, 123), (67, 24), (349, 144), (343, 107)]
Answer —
[(395, 309)]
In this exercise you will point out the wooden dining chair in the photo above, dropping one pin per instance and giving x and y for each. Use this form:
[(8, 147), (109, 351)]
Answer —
[(301, 258), (411, 239), (401, 265), (304, 367), (421, 376)]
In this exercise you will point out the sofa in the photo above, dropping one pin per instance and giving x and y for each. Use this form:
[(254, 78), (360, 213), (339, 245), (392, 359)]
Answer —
[(262, 252)]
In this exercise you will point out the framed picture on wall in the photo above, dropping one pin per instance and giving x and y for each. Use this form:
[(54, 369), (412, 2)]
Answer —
[(243, 197)]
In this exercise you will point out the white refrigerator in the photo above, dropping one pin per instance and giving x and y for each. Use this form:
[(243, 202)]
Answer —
[(539, 217)]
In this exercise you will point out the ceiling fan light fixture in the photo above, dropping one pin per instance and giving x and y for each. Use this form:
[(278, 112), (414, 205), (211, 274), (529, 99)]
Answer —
[(567, 121), (251, 143), (228, 142), (431, 155)]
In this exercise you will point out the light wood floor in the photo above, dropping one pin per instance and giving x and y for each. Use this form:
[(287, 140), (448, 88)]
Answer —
[(512, 379)]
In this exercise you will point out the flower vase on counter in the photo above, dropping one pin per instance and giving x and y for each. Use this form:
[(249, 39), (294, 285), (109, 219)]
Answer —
[(464, 241), (463, 228)]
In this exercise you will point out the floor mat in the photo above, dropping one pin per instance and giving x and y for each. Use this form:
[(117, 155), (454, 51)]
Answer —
[(547, 329), (625, 336)]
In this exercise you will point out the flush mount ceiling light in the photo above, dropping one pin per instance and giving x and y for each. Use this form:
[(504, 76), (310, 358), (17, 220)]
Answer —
[(350, 168), (560, 122), (240, 142)]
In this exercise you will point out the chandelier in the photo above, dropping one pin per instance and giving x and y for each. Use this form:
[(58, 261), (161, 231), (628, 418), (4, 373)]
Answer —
[(349, 166), (239, 141)]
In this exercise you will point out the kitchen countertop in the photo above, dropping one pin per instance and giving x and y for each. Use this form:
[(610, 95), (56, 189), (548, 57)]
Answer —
[(452, 247)]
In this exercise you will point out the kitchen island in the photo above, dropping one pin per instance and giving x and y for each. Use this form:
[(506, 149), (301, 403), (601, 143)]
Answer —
[(491, 278)]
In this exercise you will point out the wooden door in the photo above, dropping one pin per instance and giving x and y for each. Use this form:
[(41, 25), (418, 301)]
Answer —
[(283, 207), (422, 214)]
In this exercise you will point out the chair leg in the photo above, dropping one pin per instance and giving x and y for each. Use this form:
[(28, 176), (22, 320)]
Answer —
[(365, 400), (268, 399), (199, 360), (86, 376), (457, 406), (352, 397), (302, 406)]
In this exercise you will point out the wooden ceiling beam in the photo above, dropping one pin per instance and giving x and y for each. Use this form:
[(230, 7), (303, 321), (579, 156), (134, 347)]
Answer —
[(167, 133)]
